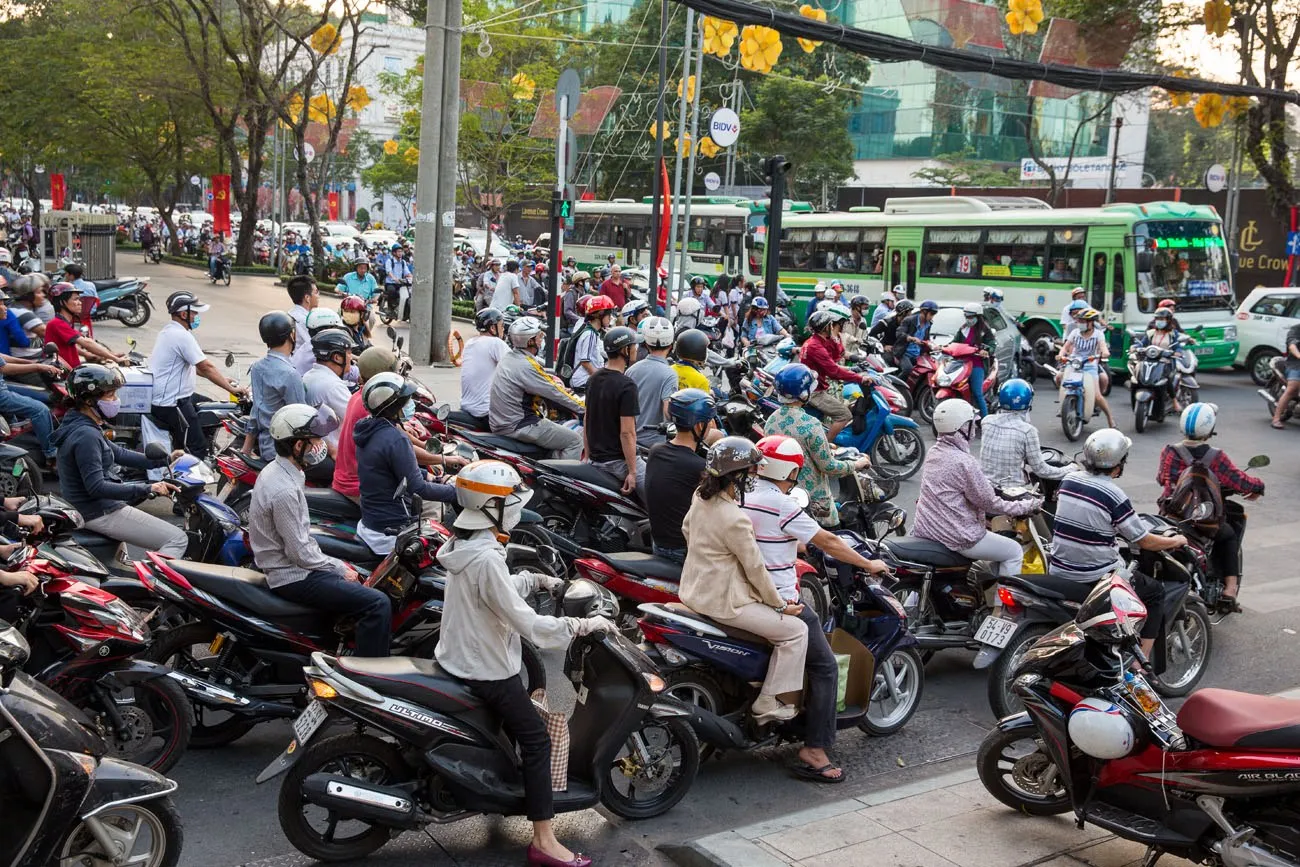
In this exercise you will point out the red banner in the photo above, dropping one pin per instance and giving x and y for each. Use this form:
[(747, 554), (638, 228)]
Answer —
[(221, 203), (58, 191), (665, 220), (332, 205)]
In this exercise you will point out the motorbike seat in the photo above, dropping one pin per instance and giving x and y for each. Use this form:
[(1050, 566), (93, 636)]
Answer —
[(925, 551), (465, 420), (329, 503), (504, 443), (640, 563), (584, 473), (102, 285), (244, 588), (421, 681), (254, 462), (1226, 718), (349, 550), (729, 631), (1051, 586)]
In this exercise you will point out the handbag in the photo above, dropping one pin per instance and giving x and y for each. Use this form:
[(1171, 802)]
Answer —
[(557, 726)]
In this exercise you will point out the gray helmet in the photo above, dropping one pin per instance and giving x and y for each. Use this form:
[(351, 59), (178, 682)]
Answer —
[(523, 330), (1105, 449), (732, 455)]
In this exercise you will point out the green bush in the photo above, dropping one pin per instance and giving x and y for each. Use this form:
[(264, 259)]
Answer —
[(463, 308), (195, 262), (128, 245)]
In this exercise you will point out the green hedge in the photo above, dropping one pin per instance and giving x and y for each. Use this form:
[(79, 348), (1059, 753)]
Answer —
[(129, 245), (321, 282), (461, 307), (192, 262)]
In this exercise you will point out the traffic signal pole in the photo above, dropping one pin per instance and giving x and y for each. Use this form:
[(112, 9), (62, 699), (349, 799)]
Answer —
[(774, 168), (559, 211)]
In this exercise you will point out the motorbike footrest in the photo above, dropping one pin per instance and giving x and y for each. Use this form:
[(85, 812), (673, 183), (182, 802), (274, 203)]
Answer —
[(1132, 826)]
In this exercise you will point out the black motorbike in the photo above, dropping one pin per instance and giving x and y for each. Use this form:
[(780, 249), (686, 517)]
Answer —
[(1155, 377), (222, 272), (631, 751)]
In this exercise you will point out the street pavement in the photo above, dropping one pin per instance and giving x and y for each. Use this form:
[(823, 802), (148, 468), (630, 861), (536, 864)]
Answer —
[(230, 821)]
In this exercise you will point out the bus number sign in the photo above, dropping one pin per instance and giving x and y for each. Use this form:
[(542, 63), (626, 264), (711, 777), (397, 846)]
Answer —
[(965, 263)]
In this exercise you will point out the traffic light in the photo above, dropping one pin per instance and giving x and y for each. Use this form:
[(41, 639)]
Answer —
[(562, 209), (774, 170)]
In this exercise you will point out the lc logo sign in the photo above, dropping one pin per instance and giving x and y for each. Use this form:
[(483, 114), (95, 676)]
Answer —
[(724, 127)]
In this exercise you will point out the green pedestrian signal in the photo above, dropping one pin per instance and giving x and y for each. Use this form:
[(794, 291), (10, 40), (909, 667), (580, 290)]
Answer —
[(563, 209)]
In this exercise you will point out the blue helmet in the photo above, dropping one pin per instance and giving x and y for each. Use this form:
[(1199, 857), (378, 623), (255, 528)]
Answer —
[(1077, 305), (759, 303), (1016, 394), (795, 382), (689, 407), (932, 306)]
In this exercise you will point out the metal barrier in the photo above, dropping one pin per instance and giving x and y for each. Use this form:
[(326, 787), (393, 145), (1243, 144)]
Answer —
[(90, 239)]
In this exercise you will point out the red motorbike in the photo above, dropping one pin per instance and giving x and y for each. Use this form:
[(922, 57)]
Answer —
[(1217, 783), (918, 378), (953, 378)]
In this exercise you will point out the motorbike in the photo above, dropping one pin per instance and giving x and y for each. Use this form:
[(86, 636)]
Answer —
[(66, 797), (892, 441), (953, 379), (20, 474), (632, 750), (1276, 387), (154, 253), (1214, 783), (1078, 396), (1156, 374), (394, 300), (126, 299), (921, 375), (223, 271)]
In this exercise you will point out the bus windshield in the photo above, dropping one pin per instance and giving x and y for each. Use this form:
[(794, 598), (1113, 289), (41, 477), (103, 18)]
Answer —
[(1189, 264)]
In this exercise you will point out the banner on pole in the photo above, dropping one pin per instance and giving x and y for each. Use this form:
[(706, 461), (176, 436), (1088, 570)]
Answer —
[(58, 192), (661, 243), (332, 205), (221, 203)]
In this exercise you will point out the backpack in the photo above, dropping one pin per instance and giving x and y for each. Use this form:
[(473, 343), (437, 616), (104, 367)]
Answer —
[(1195, 486), (565, 352)]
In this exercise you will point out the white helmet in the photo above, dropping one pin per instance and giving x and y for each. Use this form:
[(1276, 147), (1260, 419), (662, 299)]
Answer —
[(322, 317), (689, 306), (298, 421), (1105, 449), (974, 308), (657, 332), (952, 414), (783, 457), (491, 495), (1101, 729), (523, 330), (385, 391), (1198, 421), (888, 296)]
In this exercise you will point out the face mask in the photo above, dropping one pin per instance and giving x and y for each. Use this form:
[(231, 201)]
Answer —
[(1162, 325), (315, 454), (408, 410), (194, 322), (108, 408), (971, 320)]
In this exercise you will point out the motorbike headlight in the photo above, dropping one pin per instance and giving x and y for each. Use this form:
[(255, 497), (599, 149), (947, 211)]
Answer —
[(943, 378)]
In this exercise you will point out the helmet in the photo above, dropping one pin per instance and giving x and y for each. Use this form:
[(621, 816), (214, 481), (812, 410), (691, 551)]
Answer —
[(5, 256), (689, 407), (819, 289), (597, 305), (732, 455), (632, 308), (698, 281), (354, 303), (327, 342), (820, 321), (583, 598), (523, 330), (996, 294), (1105, 449), (782, 455), (184, 302), (579, 276), (1198, 420), (974, 308), (620, 338), (838, 312), (952, 415), (1163, 313), (374, 361), (656, 331), (491, 496), (794, 383), (89, 382), (759, 303), (1102, 729), (1077, 305), (1089, 314), (487, 317), (1078, 291), (386, 392), (904, 306), (931, 306), (884, 296), (689, 307), (1016, 395), (60, 292), (321, 318), (275, 328), (395, 248), (693, 345), (298, 421), (1168, 303), (360, 260)]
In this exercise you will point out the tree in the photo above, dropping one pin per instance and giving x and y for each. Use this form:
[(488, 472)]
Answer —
[(807, 124), (962, 169)]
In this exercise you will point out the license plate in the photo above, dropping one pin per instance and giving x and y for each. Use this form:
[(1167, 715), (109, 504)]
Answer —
[(308, 721), (996, 631), (1202, 350)]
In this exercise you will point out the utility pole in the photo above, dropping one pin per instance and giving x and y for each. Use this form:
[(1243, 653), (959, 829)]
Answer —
[(775, 169), (443, 268), (673, 227), (695, 147), (656, 207), (1114, 161)]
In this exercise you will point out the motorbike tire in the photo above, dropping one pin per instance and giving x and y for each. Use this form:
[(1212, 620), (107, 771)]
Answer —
[(989, 764), (923, 404), (140, 316), (1194, 624), (242, 503), (333, 751), (171, 648), (80, 846), (1188, 395), (903, 445), (1072, 418), (678, 738), (908, 669), (225, 276), (814, 594), (1001, 699), (1141, 414), (167, 706)]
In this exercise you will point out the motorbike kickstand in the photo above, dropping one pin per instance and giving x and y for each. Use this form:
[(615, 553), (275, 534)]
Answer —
[(1152, 856)]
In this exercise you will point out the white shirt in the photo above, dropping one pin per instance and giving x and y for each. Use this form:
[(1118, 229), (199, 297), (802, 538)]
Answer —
[(303, 359), (1068, 322), (478, 365), (779, 527), (324, 387), (504, 293), (590, 347), (172, 363)]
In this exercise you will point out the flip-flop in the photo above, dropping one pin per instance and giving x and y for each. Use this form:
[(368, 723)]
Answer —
[(805, 771), (1277, 425)]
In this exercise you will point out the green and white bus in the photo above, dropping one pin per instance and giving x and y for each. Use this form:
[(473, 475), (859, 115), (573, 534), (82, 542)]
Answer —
[(1128, 257)]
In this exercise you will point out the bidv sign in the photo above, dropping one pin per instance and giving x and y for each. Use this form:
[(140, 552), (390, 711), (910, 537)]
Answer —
[(724, 127)]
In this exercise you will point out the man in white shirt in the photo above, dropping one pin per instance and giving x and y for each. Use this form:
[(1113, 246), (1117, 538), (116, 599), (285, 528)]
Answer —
[(1067, 314), (175, 360), (479, 363), (324, 383), (305, 296), (507, 288)]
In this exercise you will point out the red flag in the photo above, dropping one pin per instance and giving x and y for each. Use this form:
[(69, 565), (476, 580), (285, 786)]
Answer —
[(665, 215), (58, 191), (332, 204), (221, 203)]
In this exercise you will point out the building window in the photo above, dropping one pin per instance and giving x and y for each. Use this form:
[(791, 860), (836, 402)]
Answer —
[(393, 64)]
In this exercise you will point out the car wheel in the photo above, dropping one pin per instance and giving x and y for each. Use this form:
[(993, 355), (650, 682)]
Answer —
[(1260, 365)]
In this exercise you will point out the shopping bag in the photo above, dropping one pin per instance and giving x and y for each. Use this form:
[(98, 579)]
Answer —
[(557, 726), (843, 660)]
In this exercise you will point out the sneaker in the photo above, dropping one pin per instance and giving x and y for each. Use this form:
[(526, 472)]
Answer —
[(768, 708)]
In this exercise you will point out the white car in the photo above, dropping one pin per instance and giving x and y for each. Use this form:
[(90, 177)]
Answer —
[(345, 229), (302, 230), (1263, 320), (380, 237)]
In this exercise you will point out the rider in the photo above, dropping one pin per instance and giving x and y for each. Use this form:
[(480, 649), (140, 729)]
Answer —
[(397, 270), (385, 459), (484, 616), (725, 578), (1292, 373), (1088, 344), (520, 390), (305, 295), (274, 381), (1010, 451), (216, 250), (692, 351), (359, 281), (1162, 333), (64, 332), (634, 311), (325, 383), (689, 314), (912, 333), (1091, 512), (655, 380), (1197, 424), (857, 326), (354, 315), (794, 385), (507, 288), (1078, 301), (993, 297), (609, 427), (888, 302), (759, 321), (673, 469), (479, 363), (886, 329), (976, 332), (278, 525), (22, 405), (87, 460), (822, 353), (956, 496), (588, 353)]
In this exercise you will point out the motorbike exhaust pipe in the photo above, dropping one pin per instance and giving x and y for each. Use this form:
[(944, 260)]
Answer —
[(1268, 398), (351, 799)]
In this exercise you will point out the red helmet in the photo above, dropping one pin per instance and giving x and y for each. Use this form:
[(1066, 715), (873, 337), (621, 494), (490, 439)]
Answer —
[(1167, 303), (354, 303), (598, 304), (783, 457)]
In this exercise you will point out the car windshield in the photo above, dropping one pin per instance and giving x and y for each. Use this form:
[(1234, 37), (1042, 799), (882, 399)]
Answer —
[(1189, 264)]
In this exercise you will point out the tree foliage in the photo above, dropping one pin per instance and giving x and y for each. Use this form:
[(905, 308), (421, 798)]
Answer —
[(963, 169)]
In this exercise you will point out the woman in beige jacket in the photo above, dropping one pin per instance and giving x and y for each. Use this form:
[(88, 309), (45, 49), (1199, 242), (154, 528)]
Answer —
[(724, 577)]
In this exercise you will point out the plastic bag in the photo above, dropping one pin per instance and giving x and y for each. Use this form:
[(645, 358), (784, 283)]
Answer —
[(557, 726), (843, 660)]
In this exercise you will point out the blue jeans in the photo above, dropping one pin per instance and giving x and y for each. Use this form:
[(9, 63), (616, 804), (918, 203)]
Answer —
[(977, 389), (329, 591), (212, 265), (11, 402), (677, 555)]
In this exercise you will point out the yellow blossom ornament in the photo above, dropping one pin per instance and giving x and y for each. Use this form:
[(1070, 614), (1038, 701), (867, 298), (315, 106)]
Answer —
[(655, 132), (1237, 106), (1179, 98), (523, 86), (325, 40), (759, 48), (390, 147), (690, 89), (1210, 110), (1218, 17), (684, 144), (321, 109), (357, 99), (708, 147), (807, 11), (411, 156), (718, 36), (1024, 16)]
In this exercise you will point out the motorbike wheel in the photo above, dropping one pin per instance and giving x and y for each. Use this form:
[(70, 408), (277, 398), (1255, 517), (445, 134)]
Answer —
[(242, 503), (325, 835), (1141, 413), (139, 316), (1188, 642), (1002, 700), (225, 276), (813, 593), (636, 789), (899, 454), (148, 834), (157, 723), (895, 692), (29, 483), (1188, 395), (185, 649), (1072, 418), (1260, 365), (1016, 770), (924, 404)]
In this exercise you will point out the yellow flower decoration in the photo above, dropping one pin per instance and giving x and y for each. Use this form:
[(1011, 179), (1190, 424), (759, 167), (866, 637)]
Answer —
[(690, 89), (1210, 110), (358, 98), (411, 156), (708, 147), (524, 87), (1024, 16), (1238, 106), (719, 36), (1179, 98), (326, 39), (1218, 17), (655, 132), (321, 109), (759, 48), (809, 45), (684, 144), (390, 147)]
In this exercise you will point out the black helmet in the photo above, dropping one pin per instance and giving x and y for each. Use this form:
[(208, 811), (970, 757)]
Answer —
[(487, 317), (184, 302), (275, 328), (903, 307), (620, 338), (693, 345), (90, 382), (327, 343)]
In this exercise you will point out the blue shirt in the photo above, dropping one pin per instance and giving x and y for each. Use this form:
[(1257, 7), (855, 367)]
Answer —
[(87, 288), (767, 325), (397, 270), (276, 383), (922, 333), (355, 284), (12, 333)]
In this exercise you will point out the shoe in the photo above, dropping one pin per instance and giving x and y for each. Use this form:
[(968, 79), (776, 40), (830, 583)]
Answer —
[(538, 858), (768, 708)]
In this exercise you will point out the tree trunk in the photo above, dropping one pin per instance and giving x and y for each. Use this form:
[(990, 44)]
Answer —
[(309, 202)]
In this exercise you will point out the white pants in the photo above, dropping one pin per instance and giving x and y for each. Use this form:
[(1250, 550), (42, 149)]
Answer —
[(1005, 555)]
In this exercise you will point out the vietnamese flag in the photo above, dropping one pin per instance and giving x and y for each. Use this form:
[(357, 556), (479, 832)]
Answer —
[(665, 216), (221, 203), (58, 191), (332, 205)]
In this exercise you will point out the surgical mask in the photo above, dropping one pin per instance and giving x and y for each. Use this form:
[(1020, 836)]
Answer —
[(194, 322), (315, 454), (408, 410), (1162, 324), (971, 320), (108, 408)]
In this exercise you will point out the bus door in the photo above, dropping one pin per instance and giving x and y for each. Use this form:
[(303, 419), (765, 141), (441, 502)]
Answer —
[(733, 252), (632, 238), (894, 275), (1106, 296)]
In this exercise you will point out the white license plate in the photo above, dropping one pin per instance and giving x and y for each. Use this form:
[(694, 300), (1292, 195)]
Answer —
[(995, 631), (1202, 350), (308, 721)]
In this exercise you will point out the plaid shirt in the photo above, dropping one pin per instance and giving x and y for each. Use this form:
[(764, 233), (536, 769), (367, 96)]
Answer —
[(1009, 445), (1230, 478)]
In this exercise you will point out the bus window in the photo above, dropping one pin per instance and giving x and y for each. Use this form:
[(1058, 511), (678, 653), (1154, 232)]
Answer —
[(1014, 253), (839, 249), (873, 251), (1117, 284), (1066, 255), (911, 274), (1097, 293), (796, 250), (895, 269), (952, 253)]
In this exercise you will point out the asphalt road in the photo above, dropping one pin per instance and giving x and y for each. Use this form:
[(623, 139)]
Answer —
[(230, 821)]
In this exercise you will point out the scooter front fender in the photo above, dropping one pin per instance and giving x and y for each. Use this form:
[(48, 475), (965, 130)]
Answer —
[(944, 394), (1143, 396), (115, 782), (893, 421), (133, 671)]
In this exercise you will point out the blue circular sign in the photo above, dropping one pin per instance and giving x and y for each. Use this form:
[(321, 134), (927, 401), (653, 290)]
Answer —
[(1042, 299)]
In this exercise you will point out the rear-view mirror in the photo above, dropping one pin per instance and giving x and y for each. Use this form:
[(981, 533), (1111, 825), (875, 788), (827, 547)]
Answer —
[(392, 333), (1258, 461), (230, 359), (1143, 262), (442, 411), (401, 341), (50, 350)]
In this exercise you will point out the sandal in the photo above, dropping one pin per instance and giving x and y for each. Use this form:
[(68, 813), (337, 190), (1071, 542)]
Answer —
[(805, 771), (1228, 605), (1277, 425)]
